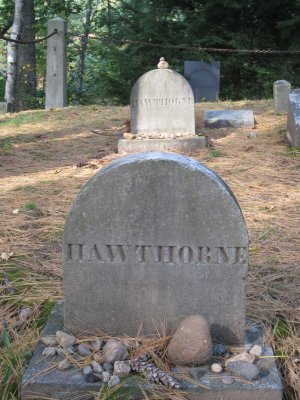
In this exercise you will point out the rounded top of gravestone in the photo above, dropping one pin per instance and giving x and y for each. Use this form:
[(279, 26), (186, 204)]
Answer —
[(163, 64), (282, 82)]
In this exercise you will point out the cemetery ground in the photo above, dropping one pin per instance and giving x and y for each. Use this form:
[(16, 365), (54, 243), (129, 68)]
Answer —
[(46, 157)]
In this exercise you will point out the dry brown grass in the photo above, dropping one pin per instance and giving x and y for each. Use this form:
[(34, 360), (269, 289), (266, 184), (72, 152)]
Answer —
[(38, 177)]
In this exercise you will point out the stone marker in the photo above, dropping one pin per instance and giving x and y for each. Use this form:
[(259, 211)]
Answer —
[(151, 236), (162, 108), (56, 74), (281, 90), (3, 107), (229, 119), (293, 121), (204, 78)]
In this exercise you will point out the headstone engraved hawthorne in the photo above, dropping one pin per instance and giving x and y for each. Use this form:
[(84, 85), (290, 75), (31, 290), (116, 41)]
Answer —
[(293, 120), (162, 109), (152, 237)]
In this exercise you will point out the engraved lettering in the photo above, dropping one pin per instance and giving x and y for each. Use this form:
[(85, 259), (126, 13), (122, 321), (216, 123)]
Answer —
[(204, 255), (165, 254), (117, 253), (95, 254), (224, 254), (75, 252), (185, 254), (241, 255)]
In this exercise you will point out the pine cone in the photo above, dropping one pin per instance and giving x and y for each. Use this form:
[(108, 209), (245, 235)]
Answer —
[(153, 374)]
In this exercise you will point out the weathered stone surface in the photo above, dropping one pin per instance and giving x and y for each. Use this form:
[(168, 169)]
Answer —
[(281, 90), (244, 356), (204, 78), (244, 369), (293, 122), (84, 350), (3, 107), (256, 350), (169, 239), (114, 350), (56, 75), (122, 368), (63, 365), (41, 381), (162, 102), (191, 343), (183, 145), (229, 119), (64, 339), (49, 340)]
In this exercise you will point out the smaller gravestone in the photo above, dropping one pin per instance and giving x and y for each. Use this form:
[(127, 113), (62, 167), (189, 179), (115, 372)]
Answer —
[(3, 107), (281, 90), (229, 119), (162, 113), (204, 78), (293, 121)]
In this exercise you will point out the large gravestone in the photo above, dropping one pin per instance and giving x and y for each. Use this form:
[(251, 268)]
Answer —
[(155, 236), (281, 91), (293, 120), (204, 78), (162, 114)]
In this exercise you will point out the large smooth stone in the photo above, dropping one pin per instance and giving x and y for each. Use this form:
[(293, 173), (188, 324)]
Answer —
[(191, 343)]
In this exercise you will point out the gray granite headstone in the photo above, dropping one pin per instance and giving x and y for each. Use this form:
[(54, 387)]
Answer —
[(204, 78), (152, 237), (229, 119), (162, 105), (281, 90), (3, 107), (293, 121)]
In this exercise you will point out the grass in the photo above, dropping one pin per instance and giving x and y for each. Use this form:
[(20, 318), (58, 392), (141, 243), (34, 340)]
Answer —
[(39, 159), (23, 118)]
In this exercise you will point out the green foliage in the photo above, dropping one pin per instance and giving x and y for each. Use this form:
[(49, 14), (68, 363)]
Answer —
[(31, 206), (112, 66), (216, 153)]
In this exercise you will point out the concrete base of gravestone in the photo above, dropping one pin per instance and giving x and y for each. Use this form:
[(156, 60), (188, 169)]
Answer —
[(293, 120), (41, 380), (183, 145), (229, 119)]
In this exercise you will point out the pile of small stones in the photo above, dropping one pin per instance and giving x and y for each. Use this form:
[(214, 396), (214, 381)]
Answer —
[(106, 359), (131, 136), (243, 364)]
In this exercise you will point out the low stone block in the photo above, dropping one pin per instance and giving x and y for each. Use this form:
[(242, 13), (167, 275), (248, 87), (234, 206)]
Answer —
[(183, 145), (229, 119), (41, 382), (293, 121)]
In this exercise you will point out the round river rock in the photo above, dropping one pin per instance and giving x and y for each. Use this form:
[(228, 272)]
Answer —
[(191, 343)]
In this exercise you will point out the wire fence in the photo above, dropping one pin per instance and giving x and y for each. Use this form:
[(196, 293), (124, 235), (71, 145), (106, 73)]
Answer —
[(19, 41), (201, 49), (185, 47)]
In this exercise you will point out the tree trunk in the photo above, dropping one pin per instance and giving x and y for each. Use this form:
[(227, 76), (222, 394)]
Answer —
[(12, 58), (26, 80), (83, 49)]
